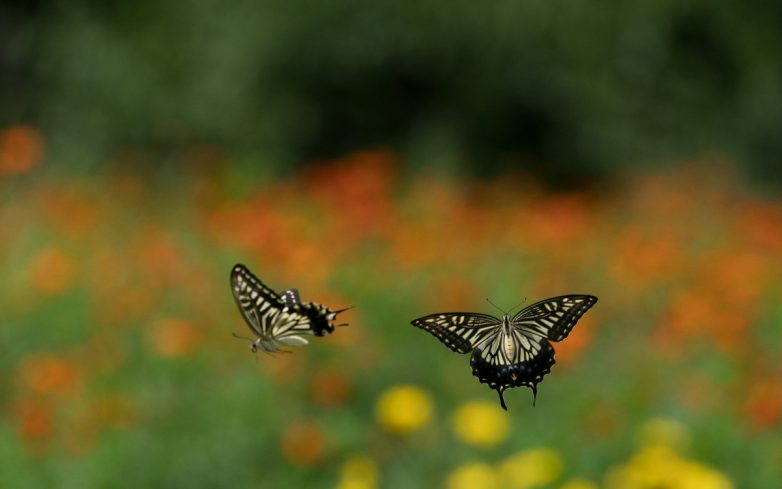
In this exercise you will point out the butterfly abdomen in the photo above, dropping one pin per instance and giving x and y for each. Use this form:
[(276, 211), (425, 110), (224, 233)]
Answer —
[(319, 317)]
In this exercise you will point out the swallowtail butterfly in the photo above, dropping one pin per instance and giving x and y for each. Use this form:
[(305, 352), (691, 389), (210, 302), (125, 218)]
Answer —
[(512, 351), (275, 320)]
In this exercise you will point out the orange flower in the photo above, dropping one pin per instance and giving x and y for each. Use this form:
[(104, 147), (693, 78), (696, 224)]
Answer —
[(330, 388), (51, 271), (49, 374), (701, 314), (643, 259), (161, 260), (414, 247), (173, 338), (761, 224), (34, 418), (356, 189), (725, 268), (303, 443), (21, 150), (763, 406), (68, 207), (560, 219)]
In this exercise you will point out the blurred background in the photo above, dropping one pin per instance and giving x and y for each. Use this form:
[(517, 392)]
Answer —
[(405, 159)]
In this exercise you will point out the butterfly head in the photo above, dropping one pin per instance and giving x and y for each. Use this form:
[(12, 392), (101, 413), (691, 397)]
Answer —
[(253, 343), (506, 322)]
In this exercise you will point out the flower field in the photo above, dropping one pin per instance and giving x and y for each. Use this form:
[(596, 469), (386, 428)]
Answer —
[(119, 368)]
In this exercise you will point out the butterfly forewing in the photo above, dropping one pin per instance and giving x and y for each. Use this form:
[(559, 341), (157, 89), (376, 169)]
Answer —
[(553, 318), (459, 331), (259, 304)]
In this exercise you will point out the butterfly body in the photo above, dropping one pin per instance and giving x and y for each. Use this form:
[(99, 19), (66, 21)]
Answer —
[(513, 351), (277, 321)]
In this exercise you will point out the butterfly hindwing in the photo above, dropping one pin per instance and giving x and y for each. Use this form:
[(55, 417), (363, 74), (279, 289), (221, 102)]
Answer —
[(459, 331), (492, 367), (554, 318), (291, 298)]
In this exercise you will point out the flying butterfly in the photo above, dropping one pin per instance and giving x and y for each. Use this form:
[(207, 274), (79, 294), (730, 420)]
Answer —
[(278, 321), (512, 351)]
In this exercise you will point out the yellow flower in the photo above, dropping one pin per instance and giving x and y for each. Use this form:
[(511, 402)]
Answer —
[(359, 472), (666, 432), (474, 475), (480, 423), (531, 468), (404, 409), (660, 467), (578, 484), (698, 476)]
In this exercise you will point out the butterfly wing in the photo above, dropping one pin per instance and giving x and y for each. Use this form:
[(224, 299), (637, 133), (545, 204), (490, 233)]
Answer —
[(459, 331), (553, 318), (258, 304), (291, 298)]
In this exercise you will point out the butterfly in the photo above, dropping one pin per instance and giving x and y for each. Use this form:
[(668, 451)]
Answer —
[(512, 351), (276, 320)]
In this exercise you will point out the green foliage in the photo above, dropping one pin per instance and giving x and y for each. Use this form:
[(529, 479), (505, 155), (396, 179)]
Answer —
[(568, 89)]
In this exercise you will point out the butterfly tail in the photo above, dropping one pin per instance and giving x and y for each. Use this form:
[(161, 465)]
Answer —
[(501, 392)]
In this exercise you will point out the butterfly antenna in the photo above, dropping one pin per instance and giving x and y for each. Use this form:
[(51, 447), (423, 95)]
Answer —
[(495, 305), (517, 305), (242, 337)]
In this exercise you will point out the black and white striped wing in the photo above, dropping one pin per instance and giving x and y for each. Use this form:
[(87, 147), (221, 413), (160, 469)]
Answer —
[(291, 298), (459, 331), (258, 304), (553, 318)]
